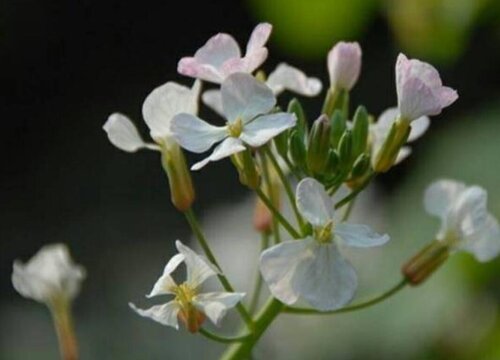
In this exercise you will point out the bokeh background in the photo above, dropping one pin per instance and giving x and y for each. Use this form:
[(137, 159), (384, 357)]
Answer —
[(66, 65)]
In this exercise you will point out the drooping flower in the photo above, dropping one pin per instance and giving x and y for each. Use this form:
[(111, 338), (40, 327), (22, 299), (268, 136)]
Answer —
[(283, 78), (221, 56), (246, 105), (344, 65), (49, 277), (160, 106), (420, 90), (189, 305), (313, 268), (380, 130), (466, 223)]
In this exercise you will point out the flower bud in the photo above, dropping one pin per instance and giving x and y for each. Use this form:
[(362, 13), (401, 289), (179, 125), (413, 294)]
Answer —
[(247, 170), (359, 131), (344, 65), (339, 126), (422, 265), (182, 192), (294, 107), (281, 143), (361, 166), (332, 164), (318, 145), (298, 150), (388, 153), (345, 150), (336, 99)]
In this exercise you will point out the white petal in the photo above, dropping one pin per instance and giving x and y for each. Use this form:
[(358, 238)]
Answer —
[(165, 314), (286, 77), (244, 97), (217, 50), (165, 283), (192, 67), (226, 148), (468, 213), (388, 117), (194, 134), (278, 266), (213, 99), (216, 304), (417, 100), (49, 274), (123, 134), (359, 235), (259, 37), (329, 281), (253, 60), (418, 128), (166, 101), (485, 243), (259, 131), (344, 64), (198, 269), (403, 153), (313, 202), (440, 195)]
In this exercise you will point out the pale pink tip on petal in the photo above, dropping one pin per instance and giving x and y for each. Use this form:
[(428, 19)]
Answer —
[(344, 65), (189, 66)]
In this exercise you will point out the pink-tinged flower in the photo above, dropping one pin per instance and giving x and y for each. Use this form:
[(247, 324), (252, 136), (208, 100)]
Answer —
[(221, 56), (420, 90), (344, 65)]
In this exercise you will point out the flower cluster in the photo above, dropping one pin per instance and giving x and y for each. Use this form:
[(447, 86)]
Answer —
[(273, 147)]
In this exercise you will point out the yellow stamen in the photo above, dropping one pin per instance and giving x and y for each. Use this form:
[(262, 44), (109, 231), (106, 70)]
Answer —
[(235, 128)]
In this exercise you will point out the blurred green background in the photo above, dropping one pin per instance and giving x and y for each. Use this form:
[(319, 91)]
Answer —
[(64, 66)]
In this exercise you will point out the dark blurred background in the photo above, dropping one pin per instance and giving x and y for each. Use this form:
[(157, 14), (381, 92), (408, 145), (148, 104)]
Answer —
[(66, 65)]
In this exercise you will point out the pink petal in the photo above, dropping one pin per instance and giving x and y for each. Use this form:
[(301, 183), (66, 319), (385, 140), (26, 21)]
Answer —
[(189, 66), (259, 37)]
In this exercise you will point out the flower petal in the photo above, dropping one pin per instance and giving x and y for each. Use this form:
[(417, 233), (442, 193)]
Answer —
[(418, 128), (226, 148), (403, 153), (278, 266), (344, 65), (165, 314), (216, 304), (213, 99), (198, 269), (259, 37), (123, 134), (440, 195), (417, 100), (244, 97), (259, 131), (166, 101), (387, 118), (190, 66), (217, 50), (313, 202), (359, 235), (165, 283), (286, 77), (447, 96), (468, 212), (484, 244), (194, 134), (329, 281)]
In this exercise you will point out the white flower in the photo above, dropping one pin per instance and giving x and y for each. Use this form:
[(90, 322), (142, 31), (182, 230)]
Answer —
[(221, 56), (284, 77), (380, 130), (313, 268), (50, 276), (160, 106), (466, 224), (420, 90), (344, 65), (246, 103), (189, 304)]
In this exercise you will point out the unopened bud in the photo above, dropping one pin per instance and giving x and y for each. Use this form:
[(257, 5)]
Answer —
[(361, 166), (298, 150), (332, 164), (247, 170), (339, 126), (318, 145), (396, 138), (359, 131), (336, 99), (423, 265), (345, 149), (281, 143), (182, 192), (294, 107)]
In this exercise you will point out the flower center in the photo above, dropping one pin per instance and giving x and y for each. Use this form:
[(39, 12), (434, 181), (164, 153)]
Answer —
[(324, 234), (235, 128), (184, 294)]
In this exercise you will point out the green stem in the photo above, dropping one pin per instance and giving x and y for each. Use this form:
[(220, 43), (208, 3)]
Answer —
[(223, 339), (348, 210), (286, 185), (352, 195), (243, 350), (264, 243), (195, 226), (291, 167), (273, 197), (362, 305), (288, 227), (63, 322)]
